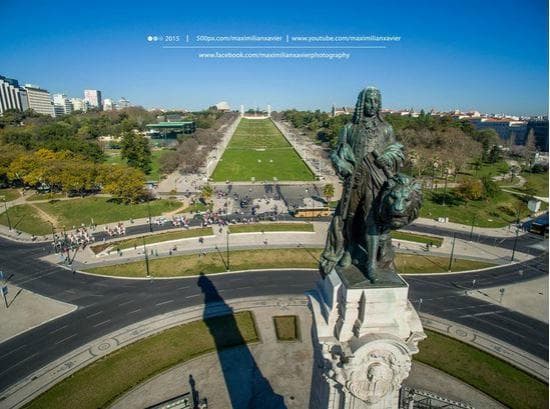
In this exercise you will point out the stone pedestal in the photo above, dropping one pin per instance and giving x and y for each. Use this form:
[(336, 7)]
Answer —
[(364, 336)]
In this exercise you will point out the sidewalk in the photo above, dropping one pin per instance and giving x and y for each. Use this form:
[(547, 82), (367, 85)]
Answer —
[(504, 232), (27, 310)]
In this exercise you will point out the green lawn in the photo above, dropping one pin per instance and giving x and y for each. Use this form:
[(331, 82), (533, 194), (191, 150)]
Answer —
[(496, 212), (215, 262), (418, 238), (257, 133), (197, 208), (538, 180), (113, 157), (502, 381), (286, 327), (100, 383), (25, 218), (153, 238), (258, 150), (74, 212), (423, 264), (9, 194), (267, 227)]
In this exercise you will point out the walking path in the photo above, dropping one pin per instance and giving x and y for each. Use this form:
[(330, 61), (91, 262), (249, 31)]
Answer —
[(527, 297), (27, 310), (287, 366)]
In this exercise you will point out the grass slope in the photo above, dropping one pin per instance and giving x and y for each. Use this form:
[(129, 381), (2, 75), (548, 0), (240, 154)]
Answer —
[(190, 265), (505, 383), (495, 212), (153, 238), (102, 210), (74, 212), (98, 384), (259, 150), (251, 228)]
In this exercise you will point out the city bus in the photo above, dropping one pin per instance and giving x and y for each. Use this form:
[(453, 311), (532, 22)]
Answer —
[(540, 225)]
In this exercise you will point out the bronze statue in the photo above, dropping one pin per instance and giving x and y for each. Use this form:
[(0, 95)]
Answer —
[(376, 198)]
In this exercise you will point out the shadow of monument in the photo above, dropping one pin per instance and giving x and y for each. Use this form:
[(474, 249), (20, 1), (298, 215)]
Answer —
[(246, 385)]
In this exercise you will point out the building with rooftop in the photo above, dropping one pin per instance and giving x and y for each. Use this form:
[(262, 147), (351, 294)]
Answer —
[(39, 100), (62, 105), (12, 96), (93, 97)]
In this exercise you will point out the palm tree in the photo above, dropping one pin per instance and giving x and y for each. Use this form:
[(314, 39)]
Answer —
[(328, 191), (206, 192)]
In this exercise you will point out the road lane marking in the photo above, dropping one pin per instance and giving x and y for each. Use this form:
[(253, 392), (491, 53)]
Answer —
[(499, 327), (243, 288), (469, 306), (182, 288), (13, 350), (133, 312), (65, 339), (58, 329), (94, 314), (194, 295), (101, 323), (164, 302), (19, 363), (479, 314), (125, 302)]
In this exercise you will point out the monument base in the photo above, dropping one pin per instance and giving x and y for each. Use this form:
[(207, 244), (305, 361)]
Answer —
[(363, 336)]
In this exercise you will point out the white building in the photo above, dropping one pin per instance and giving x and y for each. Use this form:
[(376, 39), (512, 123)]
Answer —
[(108, 104), (11, 96), (93, 97), (79, 104), (223, 106), (62, 105), (39, 99), (123, 103)]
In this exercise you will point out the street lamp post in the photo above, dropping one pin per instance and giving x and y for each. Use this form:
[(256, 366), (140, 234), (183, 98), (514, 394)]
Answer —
[(502, 290), (227, 247), (515, 245), (146, 258), (472, 229), (149, 214), (452, 253), (7, 212)]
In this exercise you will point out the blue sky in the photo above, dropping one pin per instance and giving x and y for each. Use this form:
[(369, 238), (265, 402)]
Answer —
[(485, 55)]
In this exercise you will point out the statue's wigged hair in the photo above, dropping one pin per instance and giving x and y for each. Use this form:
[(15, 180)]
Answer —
[(359, 106)]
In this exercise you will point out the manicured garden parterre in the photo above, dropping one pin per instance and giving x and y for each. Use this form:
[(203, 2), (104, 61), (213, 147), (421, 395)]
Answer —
[(258, 150)]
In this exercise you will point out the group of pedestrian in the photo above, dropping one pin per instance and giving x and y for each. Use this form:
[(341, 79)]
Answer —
[(118, 230)]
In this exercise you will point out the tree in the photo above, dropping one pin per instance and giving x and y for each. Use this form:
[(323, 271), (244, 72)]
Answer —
[(136, 151), (470, 189), (328, 191), (490, 188), (206, 192), (123, 182), (494, 154)]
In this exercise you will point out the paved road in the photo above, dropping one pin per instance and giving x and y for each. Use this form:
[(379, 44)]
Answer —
[(109, 304)]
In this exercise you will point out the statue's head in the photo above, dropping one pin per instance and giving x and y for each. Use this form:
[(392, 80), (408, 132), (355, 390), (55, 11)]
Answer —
[(400, 202), (369, 104)]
